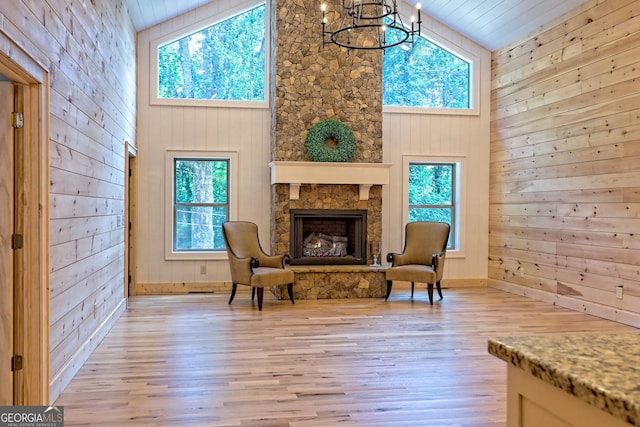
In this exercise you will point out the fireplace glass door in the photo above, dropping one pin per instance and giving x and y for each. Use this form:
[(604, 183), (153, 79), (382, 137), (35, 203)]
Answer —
[(328, 237)]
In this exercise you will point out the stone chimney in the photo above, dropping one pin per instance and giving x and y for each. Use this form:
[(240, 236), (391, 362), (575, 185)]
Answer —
[(309, 84)]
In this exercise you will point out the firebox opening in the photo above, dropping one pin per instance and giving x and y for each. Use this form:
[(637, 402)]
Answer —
[(328, 237)]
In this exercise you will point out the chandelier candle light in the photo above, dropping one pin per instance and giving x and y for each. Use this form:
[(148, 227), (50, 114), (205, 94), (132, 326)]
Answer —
[(369, 24)]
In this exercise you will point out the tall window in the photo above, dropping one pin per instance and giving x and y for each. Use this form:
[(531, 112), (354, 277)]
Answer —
[(223, 62), (432, 194), (426, 75), (201, 204)]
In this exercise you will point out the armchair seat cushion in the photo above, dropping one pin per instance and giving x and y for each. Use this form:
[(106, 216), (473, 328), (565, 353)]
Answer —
[(412, 273), (268, 276)]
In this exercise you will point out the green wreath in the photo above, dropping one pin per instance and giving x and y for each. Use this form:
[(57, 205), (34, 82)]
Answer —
[(317, 138)]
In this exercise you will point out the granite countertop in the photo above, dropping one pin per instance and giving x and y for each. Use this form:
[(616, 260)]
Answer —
[(602, 370)]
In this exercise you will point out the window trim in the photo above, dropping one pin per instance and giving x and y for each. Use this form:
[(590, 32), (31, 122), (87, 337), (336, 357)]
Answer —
[(453, 207), (474, 81), (460, 193), (178, 205), (241, 7), (169, 196)]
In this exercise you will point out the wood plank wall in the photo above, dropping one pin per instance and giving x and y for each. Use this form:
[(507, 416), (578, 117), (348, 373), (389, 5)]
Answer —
[(565, 162), (88, 49)]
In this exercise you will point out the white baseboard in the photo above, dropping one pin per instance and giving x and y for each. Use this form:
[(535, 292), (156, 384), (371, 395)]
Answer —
[(464, 283)]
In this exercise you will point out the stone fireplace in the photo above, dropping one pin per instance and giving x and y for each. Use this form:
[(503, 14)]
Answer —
[(330, 190), (311, 83)]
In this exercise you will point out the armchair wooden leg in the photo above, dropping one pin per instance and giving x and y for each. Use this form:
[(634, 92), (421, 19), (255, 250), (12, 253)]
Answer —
[(389, 284), (260, 295), (290, 290), (439, 290), (412, 286), (253, 293), (430, 292), (234, 287)]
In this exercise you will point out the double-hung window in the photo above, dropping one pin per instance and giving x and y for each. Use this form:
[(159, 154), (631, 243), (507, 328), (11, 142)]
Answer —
[(433, 195), (201, 203), (202, 193)]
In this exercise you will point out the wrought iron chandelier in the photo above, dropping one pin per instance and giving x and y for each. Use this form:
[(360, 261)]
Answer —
[(370, 24)]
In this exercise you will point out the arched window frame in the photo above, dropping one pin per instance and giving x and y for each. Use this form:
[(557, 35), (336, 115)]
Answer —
[(474, 80), (239, 8)]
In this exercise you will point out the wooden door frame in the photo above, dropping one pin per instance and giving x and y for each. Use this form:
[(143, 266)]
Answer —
[(6, 253), (33, 79), (130, 198)]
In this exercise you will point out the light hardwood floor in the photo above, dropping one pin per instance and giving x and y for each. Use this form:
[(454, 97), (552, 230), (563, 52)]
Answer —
[(194, 360)]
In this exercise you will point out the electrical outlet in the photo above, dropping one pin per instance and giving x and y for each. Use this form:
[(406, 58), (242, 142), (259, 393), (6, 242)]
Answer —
[(521, 271), (203, 269), (619, 292)]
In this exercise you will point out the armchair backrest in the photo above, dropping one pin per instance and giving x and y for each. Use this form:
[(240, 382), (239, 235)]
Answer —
[(424, 239), (241, 238)]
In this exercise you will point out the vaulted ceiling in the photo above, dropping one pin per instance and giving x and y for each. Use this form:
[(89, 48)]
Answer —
[(490, 23)]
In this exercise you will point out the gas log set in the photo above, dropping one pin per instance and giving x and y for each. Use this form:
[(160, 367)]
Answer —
[(319, 244)]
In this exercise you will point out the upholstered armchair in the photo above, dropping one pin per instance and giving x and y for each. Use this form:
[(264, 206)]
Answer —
[(422, 259), (250, 265)]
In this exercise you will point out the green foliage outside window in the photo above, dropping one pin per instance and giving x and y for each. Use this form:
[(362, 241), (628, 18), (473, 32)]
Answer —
[(225, 61), (432, 194), (201, 204), (425, 75)]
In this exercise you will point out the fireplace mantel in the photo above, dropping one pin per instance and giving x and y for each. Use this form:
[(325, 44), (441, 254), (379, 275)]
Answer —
[(297, 173)]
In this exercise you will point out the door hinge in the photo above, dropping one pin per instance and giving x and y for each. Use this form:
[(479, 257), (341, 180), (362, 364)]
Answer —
[(16, 241), (129, 278), (16, 363), (17, 120)]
